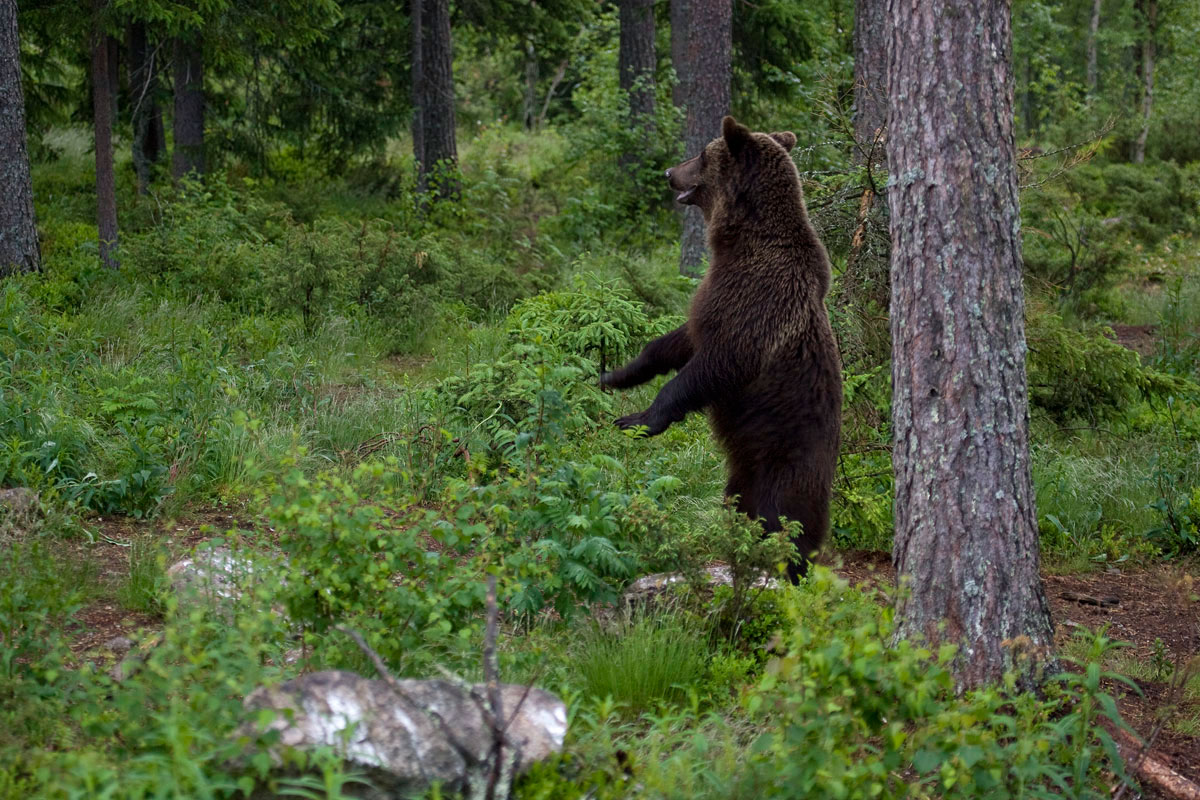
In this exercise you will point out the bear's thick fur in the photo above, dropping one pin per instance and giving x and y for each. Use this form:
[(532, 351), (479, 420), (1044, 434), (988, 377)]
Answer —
[(757, 351)]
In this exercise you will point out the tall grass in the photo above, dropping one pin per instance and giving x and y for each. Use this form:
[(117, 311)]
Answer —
[(640, 660)]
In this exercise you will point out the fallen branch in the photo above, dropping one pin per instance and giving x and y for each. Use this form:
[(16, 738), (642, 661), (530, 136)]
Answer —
[(1140, 761)]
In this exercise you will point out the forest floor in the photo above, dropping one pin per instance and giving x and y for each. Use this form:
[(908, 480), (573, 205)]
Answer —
[(1151, 609)]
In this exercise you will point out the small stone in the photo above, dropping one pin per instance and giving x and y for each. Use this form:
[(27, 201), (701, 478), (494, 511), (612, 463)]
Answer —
[(119, 644)]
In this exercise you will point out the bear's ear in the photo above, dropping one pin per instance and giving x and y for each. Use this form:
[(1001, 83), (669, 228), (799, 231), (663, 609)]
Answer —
[(737, 135), (785, 138)]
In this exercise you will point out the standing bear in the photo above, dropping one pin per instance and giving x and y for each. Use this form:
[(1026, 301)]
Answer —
[(757, 351)]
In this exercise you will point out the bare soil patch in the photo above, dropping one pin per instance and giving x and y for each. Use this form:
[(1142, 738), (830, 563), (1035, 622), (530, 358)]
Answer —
[(1142, 339)]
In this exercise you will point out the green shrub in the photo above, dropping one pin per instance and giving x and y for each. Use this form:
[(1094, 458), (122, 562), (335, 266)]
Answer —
[(399, 575), (1085, 374), (856, 716), (599, 321)]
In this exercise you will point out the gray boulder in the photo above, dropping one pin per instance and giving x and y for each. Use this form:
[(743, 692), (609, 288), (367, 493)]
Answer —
[(428, 731)]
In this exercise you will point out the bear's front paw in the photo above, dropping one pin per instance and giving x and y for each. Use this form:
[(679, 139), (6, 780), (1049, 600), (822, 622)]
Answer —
[(608, 379), (642, 419)]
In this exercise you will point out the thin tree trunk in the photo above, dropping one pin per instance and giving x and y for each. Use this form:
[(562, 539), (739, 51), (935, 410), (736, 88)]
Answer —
[(418, 95), (189, 107), (18, 229), (966, 539), (441, 151), (531, 78), (145, 112), (709, 44), (679, 50), (1093, 69), (870, 80), (102, 123), (1150, 11)]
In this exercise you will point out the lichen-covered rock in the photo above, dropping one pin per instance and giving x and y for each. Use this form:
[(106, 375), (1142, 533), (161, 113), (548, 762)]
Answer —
[(408, 739), (213, 572), (650, 587)]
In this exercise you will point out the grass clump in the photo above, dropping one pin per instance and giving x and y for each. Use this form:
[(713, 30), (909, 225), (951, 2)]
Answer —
[(641, 660)]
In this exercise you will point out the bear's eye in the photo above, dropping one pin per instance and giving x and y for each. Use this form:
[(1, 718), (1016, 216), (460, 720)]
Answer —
[(703, 158)]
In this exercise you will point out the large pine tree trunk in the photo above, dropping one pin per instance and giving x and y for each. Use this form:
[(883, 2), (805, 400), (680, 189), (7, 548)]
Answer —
[(636, 61), (966, 537), (437, 107), (1093, 67), (18, 231), (102, 124), (418, 93), (146, 114), (188, 124), (680, 9), (1149, 9), (710, 40), (636, 56)]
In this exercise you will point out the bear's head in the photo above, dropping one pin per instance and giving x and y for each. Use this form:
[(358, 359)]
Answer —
[(730, 167)]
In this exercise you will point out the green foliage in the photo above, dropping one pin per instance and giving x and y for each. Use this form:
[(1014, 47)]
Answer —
[(565, 537), (639, 660), (599, 320), (1178, 507), (1085, 375), (855, 715), (374, 568)]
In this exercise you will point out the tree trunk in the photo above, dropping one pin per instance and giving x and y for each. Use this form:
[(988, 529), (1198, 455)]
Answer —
[(679, 50), (636, 55), (145, 112), (441, 152), (710, 40), (529, 103), (1149, 10), (1093, 69), (188, 124), (18, 230), (113, 49), (418, 95), (870, 80), (102, 124), (636, 62), (966, 540)]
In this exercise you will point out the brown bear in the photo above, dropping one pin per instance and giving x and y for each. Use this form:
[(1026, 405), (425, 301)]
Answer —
[(757, 351)]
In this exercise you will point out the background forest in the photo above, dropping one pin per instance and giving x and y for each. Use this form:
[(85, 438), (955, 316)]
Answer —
[(333, 289)]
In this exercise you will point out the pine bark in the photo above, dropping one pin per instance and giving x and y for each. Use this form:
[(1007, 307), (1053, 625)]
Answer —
[(870, 79), (148, 142), (710, 41), (418, 94), (636, 56), (966, 539), (102, 125), (1093, 68), (1149, 9), (18, 229), (680, 10), (437, 98), (188, 124)]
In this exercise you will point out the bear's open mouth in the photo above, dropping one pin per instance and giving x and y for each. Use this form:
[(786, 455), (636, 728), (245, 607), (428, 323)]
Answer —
[(686, 195)]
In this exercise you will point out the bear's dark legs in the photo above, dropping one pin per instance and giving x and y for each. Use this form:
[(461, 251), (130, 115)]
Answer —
[(771, 506), (662, 355), (741, 486)]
